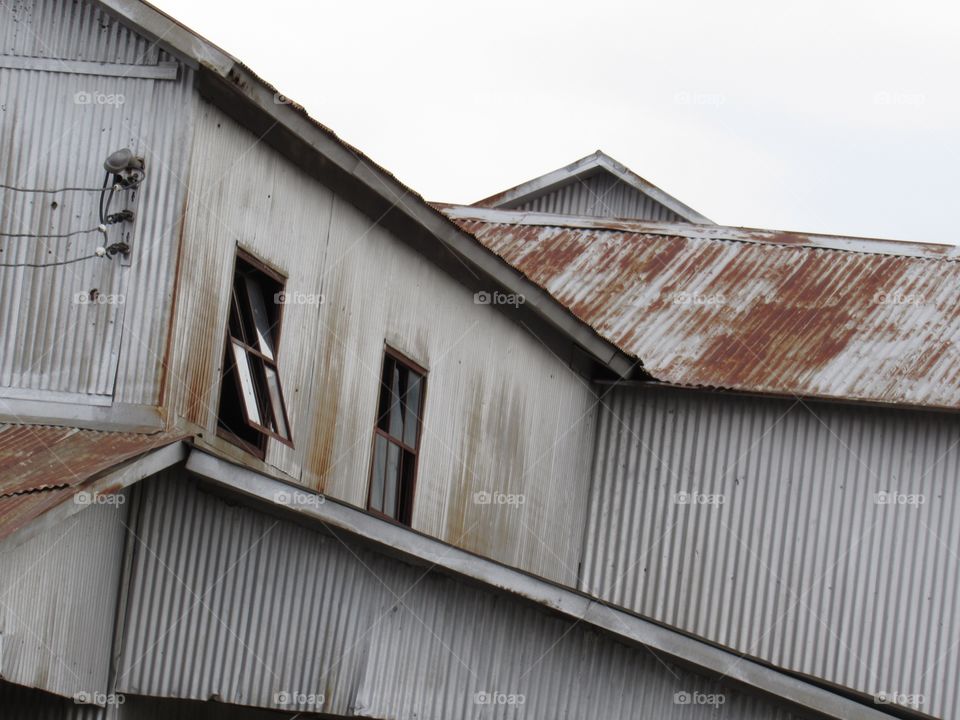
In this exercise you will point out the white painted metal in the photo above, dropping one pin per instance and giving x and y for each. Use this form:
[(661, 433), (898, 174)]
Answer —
[(233, 604), (60, 125), (58, 595), (803, 565), (502, 415)]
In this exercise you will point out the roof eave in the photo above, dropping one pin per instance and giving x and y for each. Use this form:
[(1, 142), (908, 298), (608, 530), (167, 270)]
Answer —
[(232, 87)]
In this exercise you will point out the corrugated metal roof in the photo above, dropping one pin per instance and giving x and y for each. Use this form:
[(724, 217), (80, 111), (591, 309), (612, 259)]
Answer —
[(43, 466), (757, 311)]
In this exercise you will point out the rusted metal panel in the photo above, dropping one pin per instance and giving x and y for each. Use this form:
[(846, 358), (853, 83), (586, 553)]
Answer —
[(41, 467), (821, 538), (58, 596), (751, 310), (280, 616), (503, 414), (95, 328)]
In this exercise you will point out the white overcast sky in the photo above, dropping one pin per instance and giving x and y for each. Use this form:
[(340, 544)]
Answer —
[(839, 117)]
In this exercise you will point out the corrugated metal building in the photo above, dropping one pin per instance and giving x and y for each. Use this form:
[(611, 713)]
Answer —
[(596, 353)]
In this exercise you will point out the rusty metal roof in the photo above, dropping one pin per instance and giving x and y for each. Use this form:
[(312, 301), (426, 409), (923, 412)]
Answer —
[(43, 466), (750, 310)]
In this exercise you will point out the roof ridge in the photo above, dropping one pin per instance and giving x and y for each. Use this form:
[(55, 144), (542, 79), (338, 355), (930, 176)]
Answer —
[(721, 233)]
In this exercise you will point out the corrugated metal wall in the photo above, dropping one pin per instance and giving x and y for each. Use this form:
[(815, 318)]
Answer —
[(801, 565), (233, 604), (599, 195), (21, 703), (59, 127), (502, 413), (58, 599)]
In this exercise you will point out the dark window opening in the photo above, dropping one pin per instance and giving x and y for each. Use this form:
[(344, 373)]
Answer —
[(251, 398), (396, 438)]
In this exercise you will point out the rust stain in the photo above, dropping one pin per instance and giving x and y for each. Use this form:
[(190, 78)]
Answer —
[(329, 387), (758, 310), (42, 466)]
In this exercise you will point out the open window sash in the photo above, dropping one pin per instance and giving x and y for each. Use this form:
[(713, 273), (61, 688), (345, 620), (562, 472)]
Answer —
[(260, 391)]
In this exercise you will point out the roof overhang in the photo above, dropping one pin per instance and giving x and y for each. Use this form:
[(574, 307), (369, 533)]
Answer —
[(336, 518), (43, 469), (285, 126)]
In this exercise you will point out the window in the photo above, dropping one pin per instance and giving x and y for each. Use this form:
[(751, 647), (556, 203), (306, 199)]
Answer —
[(251, 399), (396, 438)]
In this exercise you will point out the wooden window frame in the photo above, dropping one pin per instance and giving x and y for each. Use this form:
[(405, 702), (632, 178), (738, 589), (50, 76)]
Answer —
[(412, 365), (258, 449)]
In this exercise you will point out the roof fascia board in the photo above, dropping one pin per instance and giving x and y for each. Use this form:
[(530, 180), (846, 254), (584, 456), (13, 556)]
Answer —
[(707, 232), (424, 550)]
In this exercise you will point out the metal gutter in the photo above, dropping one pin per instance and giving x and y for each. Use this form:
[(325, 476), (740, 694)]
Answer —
[(423, 550)]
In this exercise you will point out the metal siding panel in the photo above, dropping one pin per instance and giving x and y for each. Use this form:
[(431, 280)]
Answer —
[(71, 30), (53, 344), (21, 703), (800, 567), (283, 608), (58, 596), (753, 310), (599, 195), (502, 413)]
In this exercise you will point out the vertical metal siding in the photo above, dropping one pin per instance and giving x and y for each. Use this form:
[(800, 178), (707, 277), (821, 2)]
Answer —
[(600, 195), (21, 703), (58, 596), (502, 413), (53, 345), (70, 29), (284, 608), (800, 566)]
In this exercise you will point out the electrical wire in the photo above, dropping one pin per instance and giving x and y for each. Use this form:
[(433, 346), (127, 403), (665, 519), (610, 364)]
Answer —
[(46, 191), (50, 237), (51, 264)]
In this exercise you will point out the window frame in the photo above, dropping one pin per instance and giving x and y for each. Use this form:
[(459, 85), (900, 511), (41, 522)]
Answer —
[(260, 448), (412, 365)]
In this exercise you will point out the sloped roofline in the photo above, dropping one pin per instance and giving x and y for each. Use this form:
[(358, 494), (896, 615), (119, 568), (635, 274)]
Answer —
[(871, 246), (285, 126), (581, 168)]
